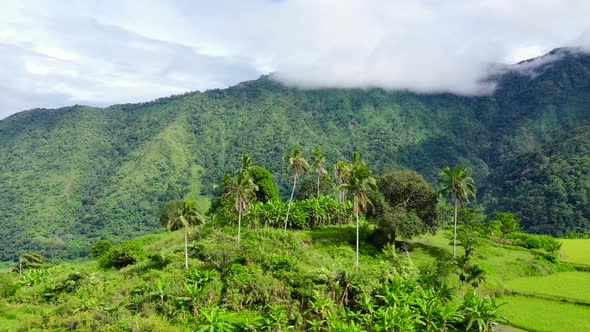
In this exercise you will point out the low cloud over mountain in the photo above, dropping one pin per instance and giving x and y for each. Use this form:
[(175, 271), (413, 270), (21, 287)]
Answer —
[(57, 54)]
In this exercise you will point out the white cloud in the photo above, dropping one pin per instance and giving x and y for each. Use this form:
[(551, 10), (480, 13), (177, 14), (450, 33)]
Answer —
[(36, 68), (58, 53)]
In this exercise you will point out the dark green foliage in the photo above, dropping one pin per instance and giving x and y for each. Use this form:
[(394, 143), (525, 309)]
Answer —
[(67, 285), (266, 188), (100, 247), (31, 260), (405, 205), (158, 261), (170, 212), (308, 186), (550, 188), (577, 235), (72, 176), (122, 254)]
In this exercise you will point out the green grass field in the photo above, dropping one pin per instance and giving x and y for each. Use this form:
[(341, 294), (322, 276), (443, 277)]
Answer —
[(568, 285), (576, 251), (543, 315), (501, 263)]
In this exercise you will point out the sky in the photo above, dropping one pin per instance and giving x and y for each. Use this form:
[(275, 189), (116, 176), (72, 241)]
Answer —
[(60, 53)]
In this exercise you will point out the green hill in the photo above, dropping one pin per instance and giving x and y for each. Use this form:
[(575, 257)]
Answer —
[(550, 188), (71, 176), (301, 280)]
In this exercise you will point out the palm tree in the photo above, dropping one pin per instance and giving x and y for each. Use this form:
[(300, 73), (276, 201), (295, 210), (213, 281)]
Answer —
[(458, 184), (247, 163), (341, 171), (299, 165), (188, 215), (358, 182), (319, 164), (242, 188)]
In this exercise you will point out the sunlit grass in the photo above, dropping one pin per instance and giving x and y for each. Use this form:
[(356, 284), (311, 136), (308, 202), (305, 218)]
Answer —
[(543, 315), (576, 251), (569, 285)]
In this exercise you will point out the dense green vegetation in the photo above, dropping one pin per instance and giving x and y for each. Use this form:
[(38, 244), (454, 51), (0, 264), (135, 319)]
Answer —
[(270, 281), (72, 176), (549, 188)]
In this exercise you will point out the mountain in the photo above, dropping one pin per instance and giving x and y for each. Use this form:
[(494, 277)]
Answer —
[(71, 176), (550, 188)]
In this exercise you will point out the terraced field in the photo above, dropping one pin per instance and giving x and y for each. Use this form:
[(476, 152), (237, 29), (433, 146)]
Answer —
[(543, 315), (556, 302), (576, 251), (574, 286)]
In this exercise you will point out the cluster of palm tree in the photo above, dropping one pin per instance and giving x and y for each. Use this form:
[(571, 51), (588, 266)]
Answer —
[(354, 180)]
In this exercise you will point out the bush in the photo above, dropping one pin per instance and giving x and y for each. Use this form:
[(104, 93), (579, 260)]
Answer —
[(121, 255), (531, 241), (99, 248), (507, 223), (158, 261), (31, 260)]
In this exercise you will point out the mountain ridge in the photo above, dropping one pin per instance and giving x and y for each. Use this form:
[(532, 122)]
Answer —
[(79, 174)]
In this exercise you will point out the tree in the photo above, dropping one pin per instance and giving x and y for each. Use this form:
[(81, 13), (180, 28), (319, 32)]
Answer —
[(299, 165), (358, 183), (31, 260), (459, 185), (507, 222), (266, 188), (186, 215), (243, 190), (408, 206), (247, 164), (341, 171), (319, 165)]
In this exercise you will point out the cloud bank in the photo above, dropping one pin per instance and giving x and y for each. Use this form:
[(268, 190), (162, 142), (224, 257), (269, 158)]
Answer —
[(61, 53)]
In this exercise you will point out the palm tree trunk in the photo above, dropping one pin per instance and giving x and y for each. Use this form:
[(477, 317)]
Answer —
[(318, 185), (455, 230), (356, 263), (239, 224), (186, 249), (290, 200)]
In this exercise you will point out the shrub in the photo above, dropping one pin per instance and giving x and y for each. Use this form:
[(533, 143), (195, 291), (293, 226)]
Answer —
[(31, 260), (99, 248), (158, 261), (507, 223), (121, 255), (530, 241)]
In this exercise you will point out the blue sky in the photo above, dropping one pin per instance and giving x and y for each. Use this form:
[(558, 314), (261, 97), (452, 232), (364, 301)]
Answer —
[(59, 53)]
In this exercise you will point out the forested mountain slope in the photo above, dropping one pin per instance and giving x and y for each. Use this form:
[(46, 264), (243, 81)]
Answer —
[(550, 188), (71, 176)]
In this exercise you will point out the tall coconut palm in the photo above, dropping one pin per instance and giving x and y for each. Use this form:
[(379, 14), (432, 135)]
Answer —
[(187, 215), (299, 164), (243, 189), (319, 165), (358, 182), (341, 171), (458, 184)]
